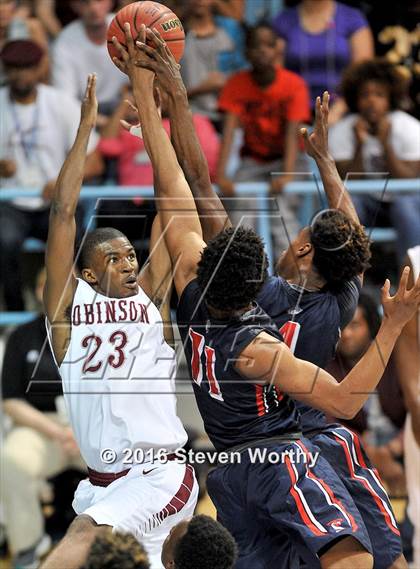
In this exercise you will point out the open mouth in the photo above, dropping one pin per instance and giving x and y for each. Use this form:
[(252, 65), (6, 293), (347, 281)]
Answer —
[(131, 282)]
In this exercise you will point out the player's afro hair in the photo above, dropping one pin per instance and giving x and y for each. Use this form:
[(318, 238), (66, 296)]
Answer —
[(91, 241), (341, 247), (206, 545), (232, 269), (116, 551), (379, 71)]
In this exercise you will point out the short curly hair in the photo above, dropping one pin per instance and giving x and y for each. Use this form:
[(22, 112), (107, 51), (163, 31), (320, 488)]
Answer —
[(86, 248), (341, 247), (232, 269), (378, 70), (116, 550), (205, 545)]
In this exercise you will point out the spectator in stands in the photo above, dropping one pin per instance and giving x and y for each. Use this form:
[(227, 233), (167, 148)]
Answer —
[(320, 38), (38, 126), (230, 9), (200, 543), (14, 26), (80, 49), (213, 51), (45, 11), (111, 550), (379, 139), (40, 444), (381, 420), (269, 103)]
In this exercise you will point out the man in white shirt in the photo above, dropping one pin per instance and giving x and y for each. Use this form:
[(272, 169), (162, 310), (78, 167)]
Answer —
[(377, 139), (80, 49), (38, 125)]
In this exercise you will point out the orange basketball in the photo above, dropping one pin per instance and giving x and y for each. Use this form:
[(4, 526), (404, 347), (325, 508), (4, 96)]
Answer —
[(153, 15)]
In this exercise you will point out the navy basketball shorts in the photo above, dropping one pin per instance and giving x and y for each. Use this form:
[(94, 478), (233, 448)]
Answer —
[(281, 512), (343, 449)]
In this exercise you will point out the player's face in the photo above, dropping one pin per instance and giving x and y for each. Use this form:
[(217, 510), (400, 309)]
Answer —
[(373, 101), (22, 81), (355, 338), (93, 12), (263, 51), (170, 543), (289, 262), (114, 269)]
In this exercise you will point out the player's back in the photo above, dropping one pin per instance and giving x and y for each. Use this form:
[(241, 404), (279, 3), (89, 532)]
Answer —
[(234, 409), (310, 323), (118, 378)]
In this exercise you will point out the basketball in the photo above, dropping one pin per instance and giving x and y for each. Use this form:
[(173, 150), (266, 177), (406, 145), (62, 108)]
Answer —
[(152, 15)]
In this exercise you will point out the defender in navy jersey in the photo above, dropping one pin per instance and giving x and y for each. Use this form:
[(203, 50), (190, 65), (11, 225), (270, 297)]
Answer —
[(310, 320), (293, 498)]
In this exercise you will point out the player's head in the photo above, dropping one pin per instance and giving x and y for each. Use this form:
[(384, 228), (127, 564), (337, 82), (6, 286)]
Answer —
[(22, 65), (107, 261), (232, 270), (261, 47), (333, 246), (93, 13), (359, 333), (199, 543), (115, 550), (373, 88)]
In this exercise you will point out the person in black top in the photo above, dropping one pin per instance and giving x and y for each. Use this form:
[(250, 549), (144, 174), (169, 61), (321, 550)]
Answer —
[(234, 353), (40, 444)]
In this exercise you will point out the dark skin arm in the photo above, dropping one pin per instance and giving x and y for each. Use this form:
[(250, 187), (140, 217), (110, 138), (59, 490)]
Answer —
[(61, 282)]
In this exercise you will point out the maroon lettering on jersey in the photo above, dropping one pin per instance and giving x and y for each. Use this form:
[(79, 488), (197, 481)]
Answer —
[(99, 312), (144, 317), (110, 311), (122, 306), (75, 317), (133, 312), (89, 316)]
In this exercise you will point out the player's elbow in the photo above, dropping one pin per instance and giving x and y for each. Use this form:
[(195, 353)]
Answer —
[(344, 409)]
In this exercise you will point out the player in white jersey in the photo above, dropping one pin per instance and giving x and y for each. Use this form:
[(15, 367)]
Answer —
[(107, 337), (408, 361)]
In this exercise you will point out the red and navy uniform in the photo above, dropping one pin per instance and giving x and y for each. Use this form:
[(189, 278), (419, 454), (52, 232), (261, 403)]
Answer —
[(276, 512), (311, 323)]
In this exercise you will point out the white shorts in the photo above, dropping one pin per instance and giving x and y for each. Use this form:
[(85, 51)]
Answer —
[(147, 502)]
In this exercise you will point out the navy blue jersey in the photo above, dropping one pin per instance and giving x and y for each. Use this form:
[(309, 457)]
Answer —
[(310, 323), (234, 409)]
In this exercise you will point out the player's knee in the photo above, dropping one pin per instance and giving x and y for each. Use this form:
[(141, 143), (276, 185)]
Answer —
[(399, 563), (347, 552)]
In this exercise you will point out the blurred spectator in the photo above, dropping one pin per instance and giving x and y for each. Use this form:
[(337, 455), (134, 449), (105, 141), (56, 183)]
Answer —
[(111, 550), (135, 169), (269, 103), (213, 51), (407, 355), (45, 11), (80, 49), (40, 444), (230, 9), (35, 137), (320, 38), (377, 138), (382, 418), (15, 26)]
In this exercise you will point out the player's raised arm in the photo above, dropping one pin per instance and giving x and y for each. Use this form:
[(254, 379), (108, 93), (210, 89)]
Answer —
[(316, 145), (266, 359), (180, 222), (185, 141), (61, 282)]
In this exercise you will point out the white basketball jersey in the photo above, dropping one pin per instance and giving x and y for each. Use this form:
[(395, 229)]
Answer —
[(414, 256), (118, 379)]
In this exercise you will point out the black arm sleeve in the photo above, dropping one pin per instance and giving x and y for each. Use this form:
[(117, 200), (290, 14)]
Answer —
[(347, 299), (13, 379)]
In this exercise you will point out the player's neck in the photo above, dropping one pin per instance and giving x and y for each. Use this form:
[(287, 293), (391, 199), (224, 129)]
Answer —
[(308, 280), (264, 77)]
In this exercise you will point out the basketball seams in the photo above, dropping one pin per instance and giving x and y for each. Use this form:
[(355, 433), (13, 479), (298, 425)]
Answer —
[(150, 24)]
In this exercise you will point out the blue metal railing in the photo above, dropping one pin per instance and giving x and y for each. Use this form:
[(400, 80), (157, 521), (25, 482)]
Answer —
[(307, 190)]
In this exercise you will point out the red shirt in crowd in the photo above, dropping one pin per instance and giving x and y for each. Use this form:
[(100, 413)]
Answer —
[(264, 113), (134, 166)]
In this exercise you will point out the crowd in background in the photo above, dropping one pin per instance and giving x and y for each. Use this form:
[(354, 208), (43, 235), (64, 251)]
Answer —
[(252, 69)]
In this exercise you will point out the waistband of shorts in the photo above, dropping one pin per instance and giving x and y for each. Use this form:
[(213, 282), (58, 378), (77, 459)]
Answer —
[(281, 439), (104, 479)]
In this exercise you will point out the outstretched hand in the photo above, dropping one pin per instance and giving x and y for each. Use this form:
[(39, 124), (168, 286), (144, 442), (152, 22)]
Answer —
[(401, 307), (316, 142), (131, 58), (89, 110)]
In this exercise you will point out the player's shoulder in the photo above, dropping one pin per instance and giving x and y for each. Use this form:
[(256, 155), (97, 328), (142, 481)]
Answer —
[(240, 79), (191, 303), (288, 78)]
